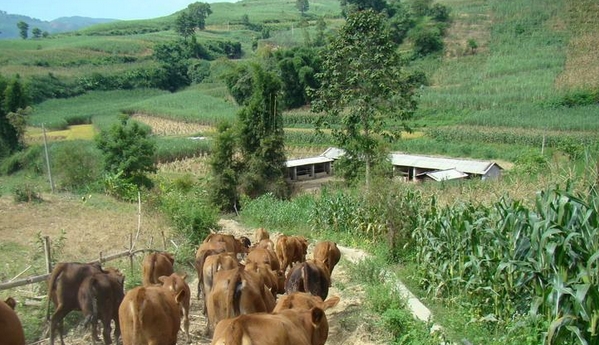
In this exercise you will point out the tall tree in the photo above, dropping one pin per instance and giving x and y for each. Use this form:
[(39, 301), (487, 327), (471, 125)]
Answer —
[(262, 138), (302, 6), (225, 169), (199, 11), (13, 102), (365, 87), (184, 25), (128, 151), (36, 32), (350, 6), (23, 29)]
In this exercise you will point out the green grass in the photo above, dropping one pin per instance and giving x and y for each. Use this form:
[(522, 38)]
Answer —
[(99, 107), (191, 104), (510, 80)]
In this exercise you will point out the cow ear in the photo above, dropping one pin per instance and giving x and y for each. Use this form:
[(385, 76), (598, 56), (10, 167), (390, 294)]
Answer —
[(317, 315), (184, 276), (180, 296), (161, 279), (331, 302)]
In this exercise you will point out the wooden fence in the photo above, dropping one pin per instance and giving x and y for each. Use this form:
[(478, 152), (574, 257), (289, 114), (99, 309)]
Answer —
[(102, 259)]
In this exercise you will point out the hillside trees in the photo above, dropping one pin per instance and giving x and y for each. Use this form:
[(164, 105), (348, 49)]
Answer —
[(192, 18), (298, 68), (302, 6), (257, 140), (261, 138), (225, 170), (364, 86), (13, 109), (23, 29), (36, 32)]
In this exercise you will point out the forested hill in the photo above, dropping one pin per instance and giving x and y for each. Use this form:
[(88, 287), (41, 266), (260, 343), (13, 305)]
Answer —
[(8, 24)]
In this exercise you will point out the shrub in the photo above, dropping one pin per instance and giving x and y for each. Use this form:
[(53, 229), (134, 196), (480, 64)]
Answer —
[(427, 40), (190, 212), (26, 193), (76, 165)]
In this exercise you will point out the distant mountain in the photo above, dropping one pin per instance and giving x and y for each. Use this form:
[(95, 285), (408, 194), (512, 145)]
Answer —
[(8, 24)]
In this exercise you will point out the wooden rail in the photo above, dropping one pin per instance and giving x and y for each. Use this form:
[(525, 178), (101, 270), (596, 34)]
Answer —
[(100, 260)]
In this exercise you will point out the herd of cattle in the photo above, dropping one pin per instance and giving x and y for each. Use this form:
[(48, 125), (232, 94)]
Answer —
[(251, 294)]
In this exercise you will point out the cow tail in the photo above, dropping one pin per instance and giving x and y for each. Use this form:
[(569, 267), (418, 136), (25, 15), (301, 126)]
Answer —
[(234, 293), (305, 276), (90, 297), (94, 301), (140, 305), (52, 285), (153, 278)]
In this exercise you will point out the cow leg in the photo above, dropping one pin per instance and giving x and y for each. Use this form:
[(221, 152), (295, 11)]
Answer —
[(56, 323), (106, 331), (186, 324), (117, 329)]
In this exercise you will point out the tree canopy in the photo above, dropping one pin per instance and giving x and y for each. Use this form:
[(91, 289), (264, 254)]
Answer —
[(192, 18), (365, 87)]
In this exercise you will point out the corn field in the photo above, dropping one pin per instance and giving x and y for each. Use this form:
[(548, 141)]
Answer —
[(510, 259)]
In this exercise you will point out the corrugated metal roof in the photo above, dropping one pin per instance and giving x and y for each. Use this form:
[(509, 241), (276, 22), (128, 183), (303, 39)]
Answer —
[(436, 163), (333, 152), (443, 175), (307, 161)]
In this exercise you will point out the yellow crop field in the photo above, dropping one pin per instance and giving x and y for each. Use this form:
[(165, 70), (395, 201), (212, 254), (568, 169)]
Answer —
[(76, 132)]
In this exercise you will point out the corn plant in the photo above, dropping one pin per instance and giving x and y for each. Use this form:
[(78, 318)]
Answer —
[(511, 259)]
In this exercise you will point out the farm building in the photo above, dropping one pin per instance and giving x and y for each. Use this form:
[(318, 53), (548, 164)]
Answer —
[(313, 167), (414, 167)]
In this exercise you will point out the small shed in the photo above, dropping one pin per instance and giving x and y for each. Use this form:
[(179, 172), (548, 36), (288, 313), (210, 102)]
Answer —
[(308, 168), (411, 166)]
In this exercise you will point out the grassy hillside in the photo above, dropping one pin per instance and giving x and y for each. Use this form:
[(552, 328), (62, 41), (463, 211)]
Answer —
[(531, 77)]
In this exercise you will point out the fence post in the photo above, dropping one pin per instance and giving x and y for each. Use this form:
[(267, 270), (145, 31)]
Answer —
[(130, 252), (47, 254), (48, 269)]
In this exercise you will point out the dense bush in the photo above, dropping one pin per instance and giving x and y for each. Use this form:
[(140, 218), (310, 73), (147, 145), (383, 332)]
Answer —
[(189, 211), (76, 165), (42, 87)]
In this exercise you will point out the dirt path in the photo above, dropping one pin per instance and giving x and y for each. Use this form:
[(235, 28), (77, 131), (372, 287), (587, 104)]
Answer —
[(346, 326)]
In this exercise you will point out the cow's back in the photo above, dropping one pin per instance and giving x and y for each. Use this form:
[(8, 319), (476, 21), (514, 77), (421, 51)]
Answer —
[(156, 265), (328, 253), (11, 329), (149, 315)]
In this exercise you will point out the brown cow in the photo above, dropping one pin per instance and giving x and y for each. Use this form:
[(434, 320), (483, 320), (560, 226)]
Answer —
[(150, 315), (261, 234), (213, 264), (309, 276), (63, 288), (236, 292), (328, 253), (291, 249), (297, 327), (304, 301), (99, 298), (271, 278), (204, 251), (235, 245), (265, 256), (11, 329), (176, 283), (156, 265)]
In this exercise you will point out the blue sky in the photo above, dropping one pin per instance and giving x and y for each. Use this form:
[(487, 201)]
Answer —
[(115, 9)]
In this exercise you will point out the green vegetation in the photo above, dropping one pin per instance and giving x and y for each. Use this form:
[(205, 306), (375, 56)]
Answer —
[(509, 261)]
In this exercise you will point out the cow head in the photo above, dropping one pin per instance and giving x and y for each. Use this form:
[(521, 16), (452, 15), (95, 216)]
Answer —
[(11, 303)]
